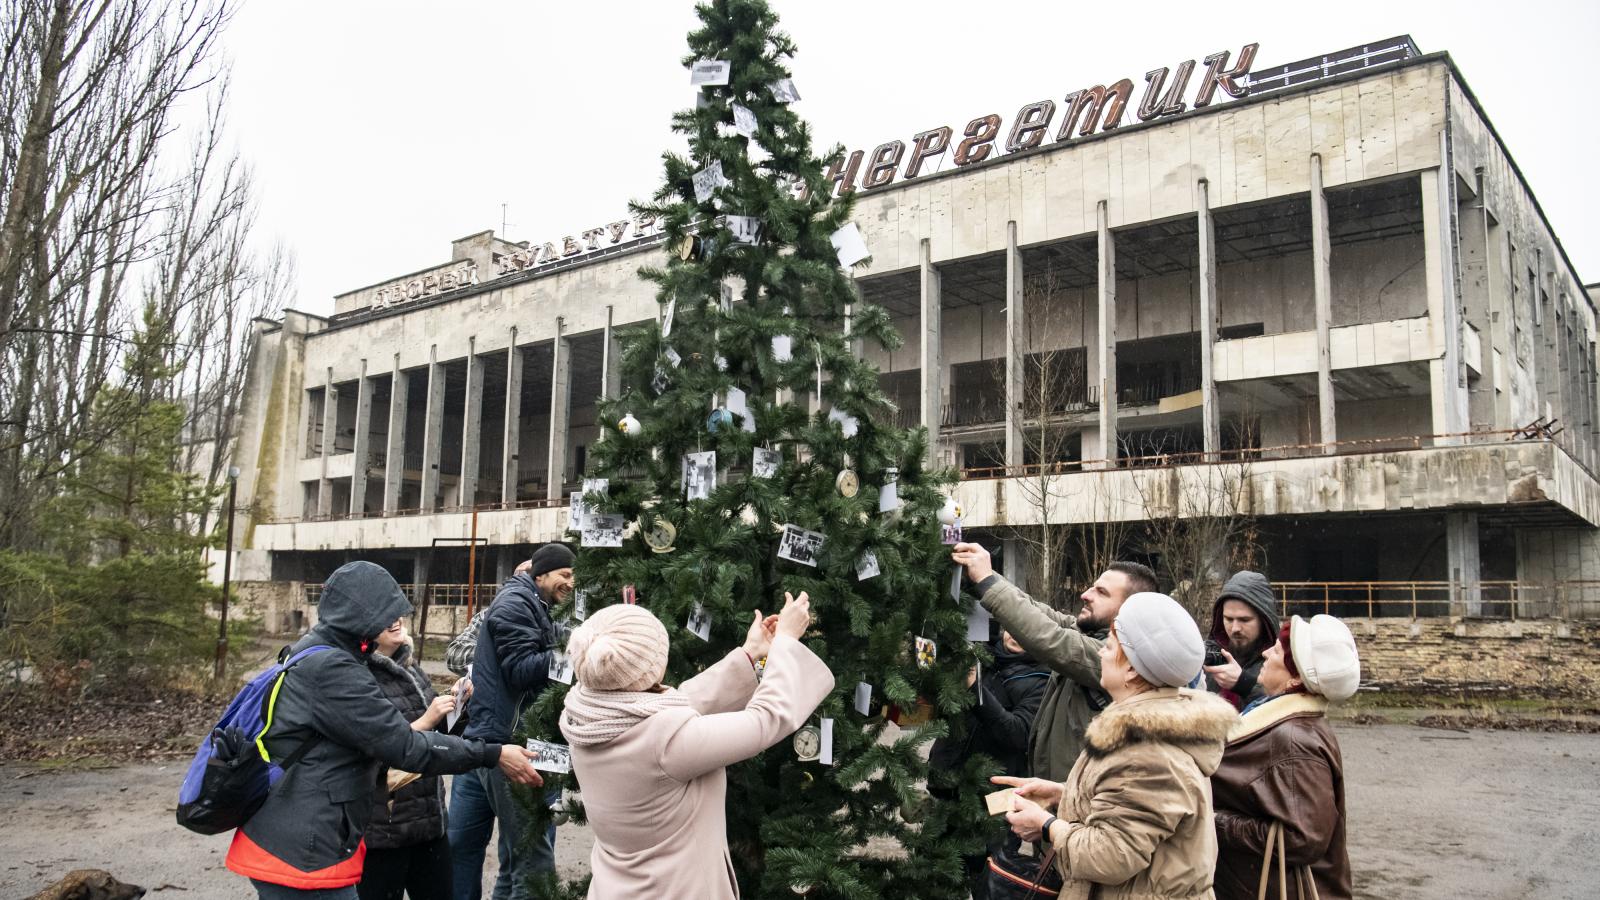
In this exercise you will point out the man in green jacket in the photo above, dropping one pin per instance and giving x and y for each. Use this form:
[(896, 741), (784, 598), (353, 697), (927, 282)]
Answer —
[(1069, 646)]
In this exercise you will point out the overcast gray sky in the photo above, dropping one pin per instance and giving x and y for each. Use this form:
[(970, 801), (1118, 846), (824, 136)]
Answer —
[(381, 131)]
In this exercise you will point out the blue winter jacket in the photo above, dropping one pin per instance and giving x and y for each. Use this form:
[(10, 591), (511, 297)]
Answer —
[(512, 662)]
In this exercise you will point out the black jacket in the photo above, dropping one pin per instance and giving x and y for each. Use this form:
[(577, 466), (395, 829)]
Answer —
[(998, 724), (415, 813), (316, 815), (512, 662), (1253, 589)]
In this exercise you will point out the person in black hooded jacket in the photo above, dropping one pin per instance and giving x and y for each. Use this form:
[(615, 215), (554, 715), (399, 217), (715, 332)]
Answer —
[(997, 725), (307, 839), (407, 852), (1244, 623)]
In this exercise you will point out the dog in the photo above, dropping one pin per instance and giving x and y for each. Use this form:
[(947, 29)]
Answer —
[(89, 884)]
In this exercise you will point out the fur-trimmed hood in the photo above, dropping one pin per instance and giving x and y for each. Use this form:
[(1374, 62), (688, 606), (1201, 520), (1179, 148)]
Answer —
[(1195, 721)]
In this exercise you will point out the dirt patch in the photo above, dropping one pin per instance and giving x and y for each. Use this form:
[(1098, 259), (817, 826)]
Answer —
[(125, 724), (1546, 724)]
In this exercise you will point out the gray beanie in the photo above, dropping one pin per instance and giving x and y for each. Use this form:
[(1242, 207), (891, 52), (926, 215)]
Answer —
[(1160, 639)]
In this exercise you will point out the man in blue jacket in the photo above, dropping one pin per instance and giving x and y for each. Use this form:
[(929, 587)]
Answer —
[(510, 666)]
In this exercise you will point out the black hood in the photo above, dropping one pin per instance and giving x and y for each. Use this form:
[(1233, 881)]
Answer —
[(359, 600), (1004, 658), (1254, 589)]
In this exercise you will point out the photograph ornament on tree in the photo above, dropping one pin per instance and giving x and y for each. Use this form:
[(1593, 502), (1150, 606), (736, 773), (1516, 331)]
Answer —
[(799, 545), (699, 474)]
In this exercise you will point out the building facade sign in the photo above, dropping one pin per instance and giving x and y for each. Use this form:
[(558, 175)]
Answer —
[(574, 245), (422, 286)]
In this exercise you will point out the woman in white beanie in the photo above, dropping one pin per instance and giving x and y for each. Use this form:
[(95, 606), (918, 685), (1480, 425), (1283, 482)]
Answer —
[(1134, 818), (1280, 789), (651, 758)]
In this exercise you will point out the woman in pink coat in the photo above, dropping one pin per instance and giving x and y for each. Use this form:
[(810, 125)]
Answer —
[(650, 758)]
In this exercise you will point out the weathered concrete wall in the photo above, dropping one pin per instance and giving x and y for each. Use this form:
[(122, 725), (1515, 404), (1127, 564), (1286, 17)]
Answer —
[(1543, 656), (514, 526)]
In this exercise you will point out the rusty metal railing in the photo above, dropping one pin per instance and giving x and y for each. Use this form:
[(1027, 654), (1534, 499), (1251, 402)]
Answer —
[(1511, 600)]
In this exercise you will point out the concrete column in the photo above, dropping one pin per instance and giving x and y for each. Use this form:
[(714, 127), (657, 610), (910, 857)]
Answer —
[(1210, 409), (932, 358), (1016, 353), (504, 564), (610, 360), (1322, 289), (1461, 549), (1016, 553), (560, 410), (1477, 305), (358, 471), (511, 445), (330, 421), (433, 432), (394, 467), (1107, 307), (471, 428), (1449, 379)]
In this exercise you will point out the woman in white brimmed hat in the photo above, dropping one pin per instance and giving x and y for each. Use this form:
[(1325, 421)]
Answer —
[(1280, 788), (1134, 818), (650, 757)]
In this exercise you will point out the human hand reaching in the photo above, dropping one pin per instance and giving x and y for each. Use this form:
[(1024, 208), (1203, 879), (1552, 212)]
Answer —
[(976, 560), (796, 615), (517, 764), (1040, 790), (759, 640)]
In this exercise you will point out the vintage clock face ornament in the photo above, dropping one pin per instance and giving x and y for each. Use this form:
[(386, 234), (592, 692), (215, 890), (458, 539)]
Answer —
[(848, 483), (661, 536), (808, 743)]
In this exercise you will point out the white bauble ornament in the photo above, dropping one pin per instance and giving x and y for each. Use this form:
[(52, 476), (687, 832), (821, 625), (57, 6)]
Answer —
[(950, 512), (630, 426)]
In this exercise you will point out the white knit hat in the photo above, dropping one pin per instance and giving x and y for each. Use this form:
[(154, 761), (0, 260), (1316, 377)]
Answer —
[(1324, 651), (1160, 639), (619, 648)]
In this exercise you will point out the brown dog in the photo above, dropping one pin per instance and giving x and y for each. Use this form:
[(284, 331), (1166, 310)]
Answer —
[(89, 884)]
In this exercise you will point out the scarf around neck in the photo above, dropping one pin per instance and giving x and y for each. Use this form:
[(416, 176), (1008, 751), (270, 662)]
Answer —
[(592, 718)]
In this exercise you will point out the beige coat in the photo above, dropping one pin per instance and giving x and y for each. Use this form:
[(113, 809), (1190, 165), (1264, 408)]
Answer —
[(1137, 806), (655, 795)]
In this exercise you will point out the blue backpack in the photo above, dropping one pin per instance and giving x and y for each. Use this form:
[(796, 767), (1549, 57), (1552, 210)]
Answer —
[(232, 773)]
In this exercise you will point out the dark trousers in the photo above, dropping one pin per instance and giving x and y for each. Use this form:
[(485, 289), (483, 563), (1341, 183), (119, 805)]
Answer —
[(268, 891), (420, 870)]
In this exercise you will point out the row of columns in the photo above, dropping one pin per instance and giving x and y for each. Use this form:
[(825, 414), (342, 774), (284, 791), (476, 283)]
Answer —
[(472, 423)]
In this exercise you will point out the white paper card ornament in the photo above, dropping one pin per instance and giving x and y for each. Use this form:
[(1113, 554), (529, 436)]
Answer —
[(847, 423), (889, 494), (800, 546), (745, 229), (602, 530), (782, 348), (867, 566), (560, 666), (725, 298), (699, 623), (825, 756), (699, 475), (672, 357), (978, 624), (576, 511), (765, 463), (667, 317), (708, 180), (744, 121), (783, 90), (707, 72), (850, 245), (927, 653), (461, 704), (739, 404), (548, 757), (863, 698), (955, 585), (580, 604)]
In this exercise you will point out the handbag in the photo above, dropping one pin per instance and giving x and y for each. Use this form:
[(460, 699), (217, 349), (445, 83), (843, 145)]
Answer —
[(1305, 886), (1013, 876)]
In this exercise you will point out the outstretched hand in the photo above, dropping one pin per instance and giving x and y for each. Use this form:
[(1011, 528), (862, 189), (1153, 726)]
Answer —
[(796, 615), (1043, 791), (759, 640), (975, 559), (517, 764)]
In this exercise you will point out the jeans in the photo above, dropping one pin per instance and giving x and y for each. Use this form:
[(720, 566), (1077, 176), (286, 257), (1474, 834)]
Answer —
[(477, 799), (420, 870), (268, 891)]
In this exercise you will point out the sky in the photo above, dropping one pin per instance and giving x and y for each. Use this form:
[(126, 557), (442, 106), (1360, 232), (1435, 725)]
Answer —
[(379, 132)]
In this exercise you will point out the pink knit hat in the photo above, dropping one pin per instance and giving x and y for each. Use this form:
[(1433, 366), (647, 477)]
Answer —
[(619, 648)]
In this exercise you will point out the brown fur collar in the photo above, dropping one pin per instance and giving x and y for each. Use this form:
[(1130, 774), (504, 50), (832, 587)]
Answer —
[(1167, 715)]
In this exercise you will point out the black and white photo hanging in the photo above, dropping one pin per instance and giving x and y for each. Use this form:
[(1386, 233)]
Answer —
[(850, 246), (658, 381), (867, 565), (978, 624), (579, 508), (782, 348), (800, 546), (699, 623), (667, 316), (783, 90), (707, 180), (765, 463), (602, 530), (927, 653), (725, 298), (744, 121), (709, 72), (548, 757), (672, 357), (889, 493), (699, 474), (746, 230), (560, 666), (580, 604), (950, 518), (738, 404), (863, 699)]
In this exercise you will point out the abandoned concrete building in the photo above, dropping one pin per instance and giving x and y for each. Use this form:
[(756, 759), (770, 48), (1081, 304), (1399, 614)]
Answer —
[(1331, 304)]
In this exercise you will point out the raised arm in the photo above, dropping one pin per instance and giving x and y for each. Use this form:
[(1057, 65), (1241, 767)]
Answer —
[(1049, 636)]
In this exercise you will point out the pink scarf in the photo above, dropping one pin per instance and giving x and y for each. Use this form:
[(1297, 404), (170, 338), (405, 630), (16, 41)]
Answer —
[(592, 718)]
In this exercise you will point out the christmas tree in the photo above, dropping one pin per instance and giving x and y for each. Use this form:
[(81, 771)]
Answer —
[(751, 452)]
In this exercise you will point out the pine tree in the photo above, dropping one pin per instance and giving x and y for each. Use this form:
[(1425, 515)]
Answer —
[(794, 827)]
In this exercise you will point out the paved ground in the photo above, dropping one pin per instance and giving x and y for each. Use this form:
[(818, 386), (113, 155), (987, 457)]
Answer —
[(1433, 815)]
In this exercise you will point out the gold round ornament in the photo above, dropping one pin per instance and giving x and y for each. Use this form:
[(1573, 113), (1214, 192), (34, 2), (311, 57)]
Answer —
[(661, 536)]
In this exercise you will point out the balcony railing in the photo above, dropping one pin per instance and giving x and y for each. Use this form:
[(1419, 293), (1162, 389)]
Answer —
[(438, 594), (1510, 600)]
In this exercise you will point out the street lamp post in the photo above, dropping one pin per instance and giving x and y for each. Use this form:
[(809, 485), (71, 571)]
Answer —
[(221, 667)]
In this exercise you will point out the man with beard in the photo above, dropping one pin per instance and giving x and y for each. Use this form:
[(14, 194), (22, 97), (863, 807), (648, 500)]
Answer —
[(1244, 622), (1069, 646)]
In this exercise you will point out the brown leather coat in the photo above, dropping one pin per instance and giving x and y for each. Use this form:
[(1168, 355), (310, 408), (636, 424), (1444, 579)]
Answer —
[(1282, 762)]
